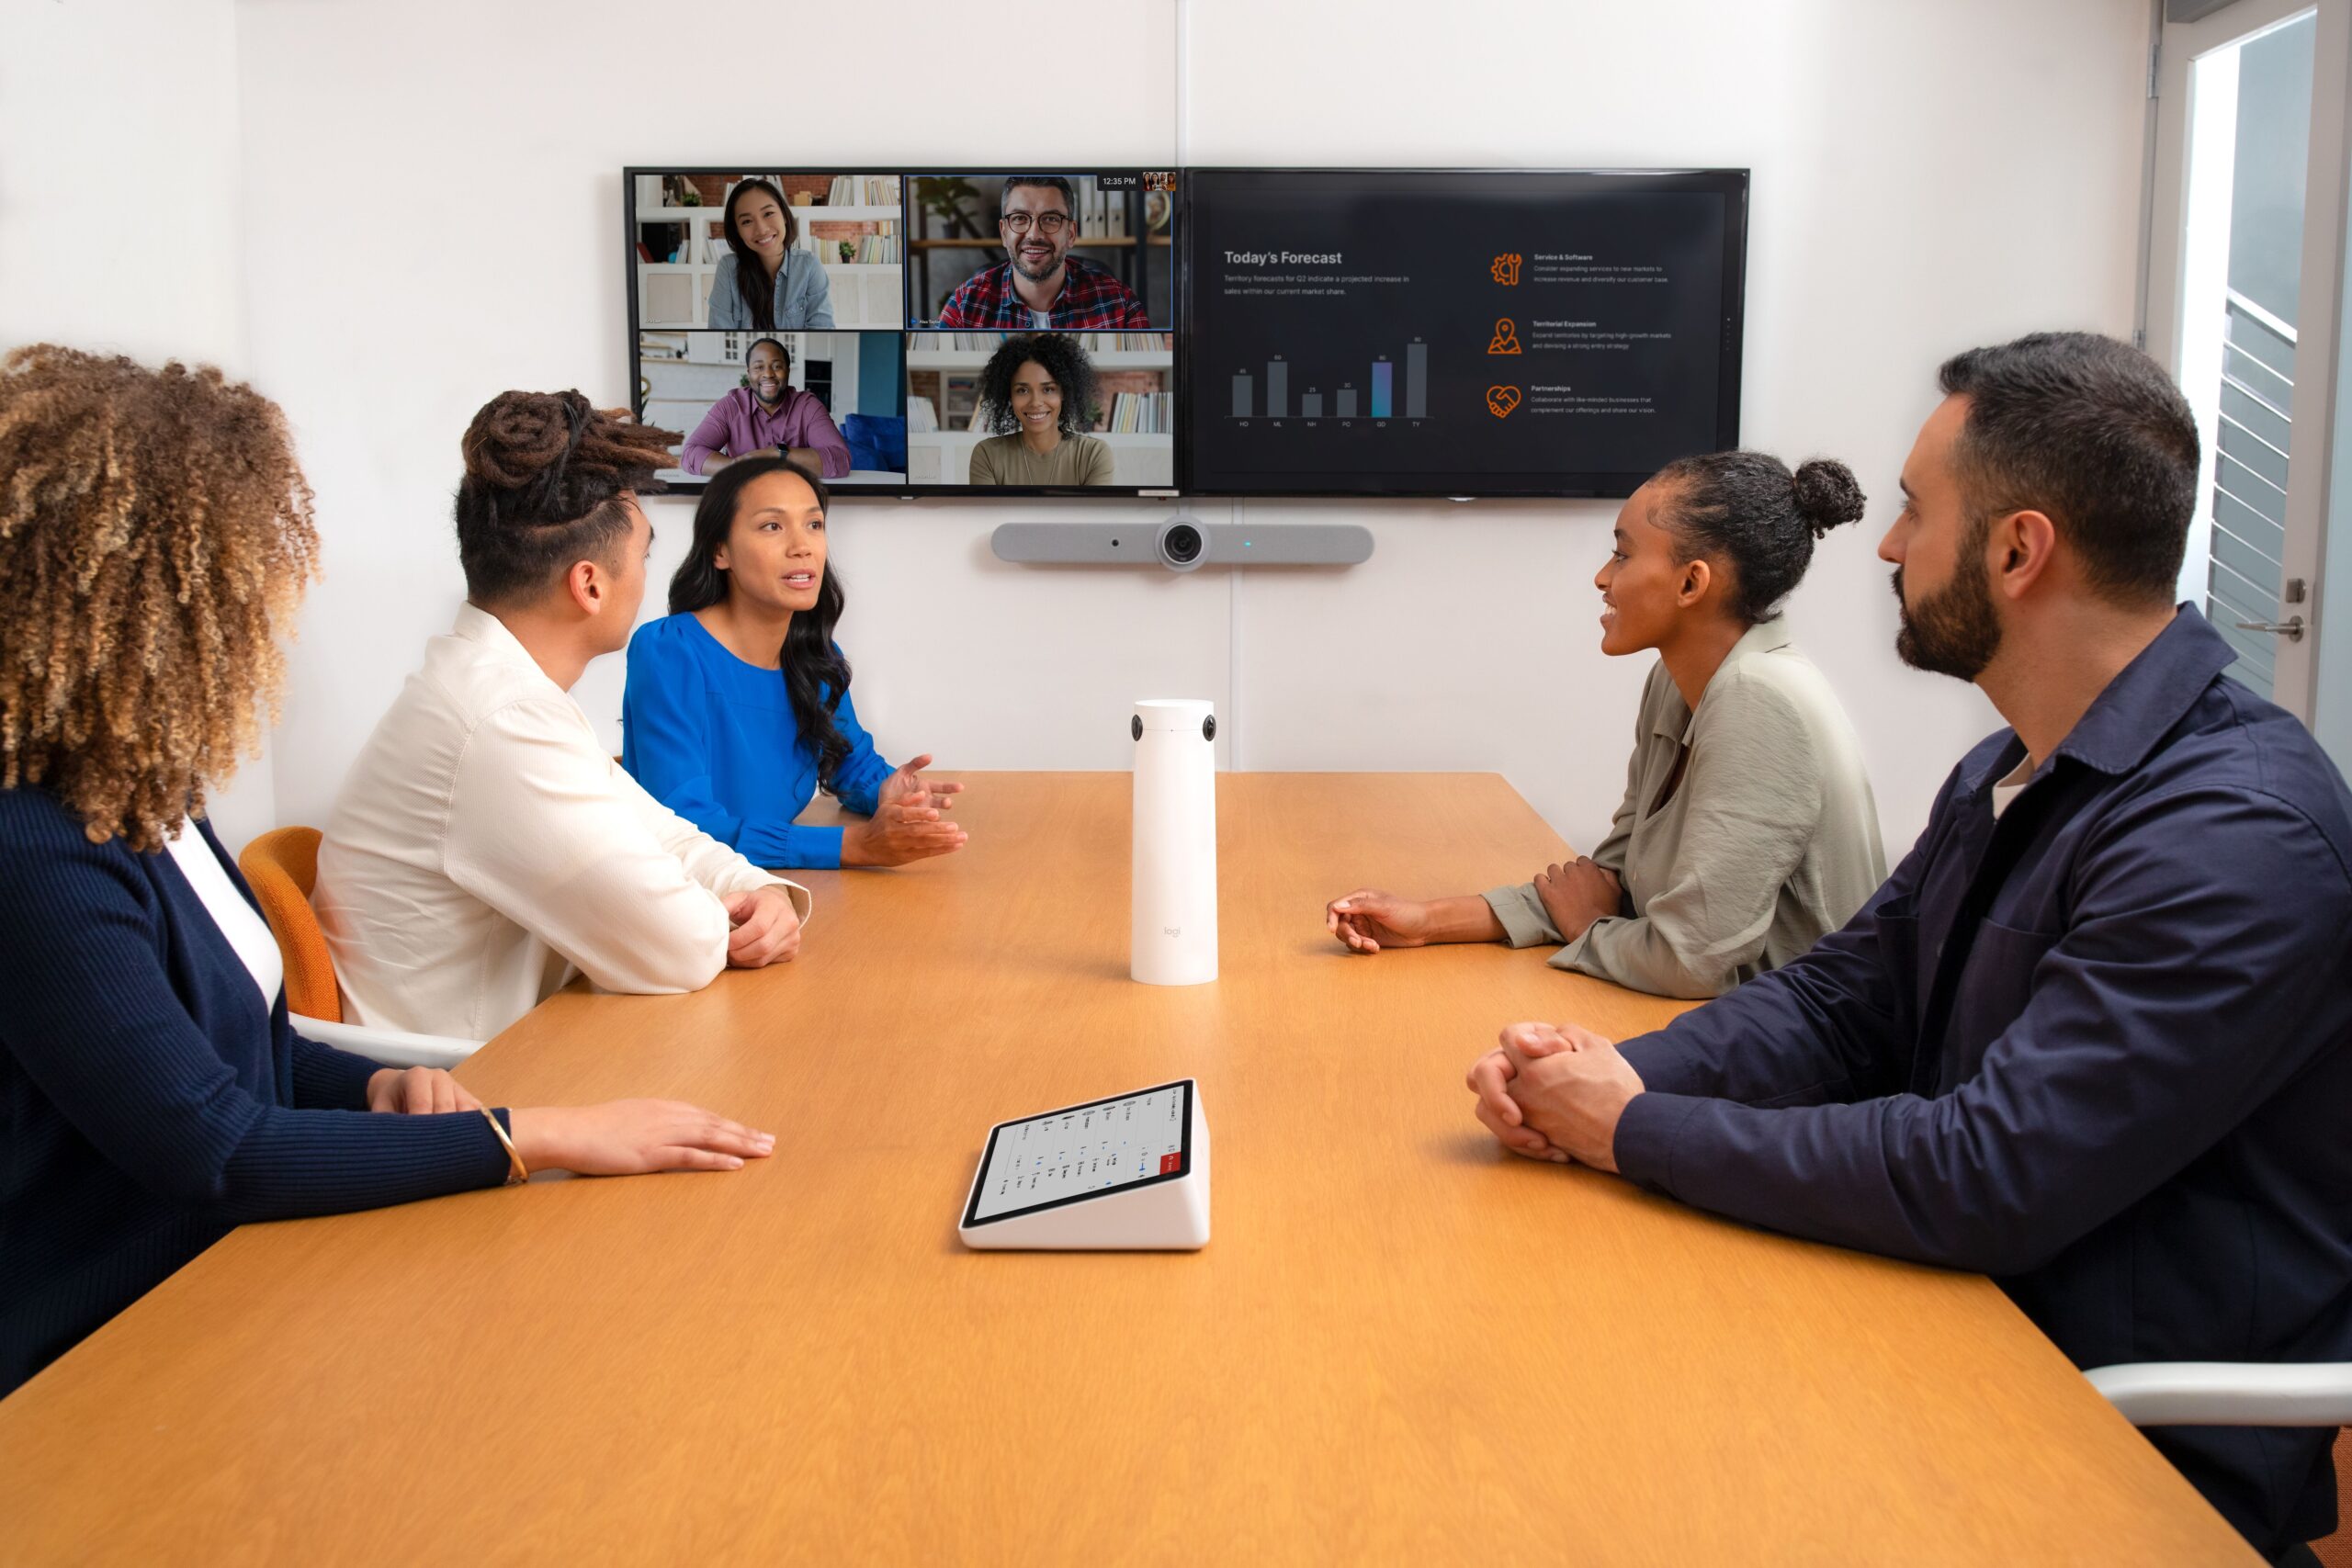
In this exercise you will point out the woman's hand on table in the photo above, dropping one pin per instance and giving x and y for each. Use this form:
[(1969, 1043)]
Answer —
[(1368, 920), (1577, 894), (634, 1138)]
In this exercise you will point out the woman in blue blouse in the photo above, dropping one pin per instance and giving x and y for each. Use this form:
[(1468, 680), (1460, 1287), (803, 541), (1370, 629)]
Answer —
[(153, 1092), (738, 707)]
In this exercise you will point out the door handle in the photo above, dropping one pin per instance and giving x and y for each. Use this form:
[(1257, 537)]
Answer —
[(2292, 629)]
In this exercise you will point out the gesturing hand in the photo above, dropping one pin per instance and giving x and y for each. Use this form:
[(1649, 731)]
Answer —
[(1571, 1086), (1577, 894), (767, 927), (1368, 920), (417, 1091), (631, 1137), (908, 823), (908, 786)]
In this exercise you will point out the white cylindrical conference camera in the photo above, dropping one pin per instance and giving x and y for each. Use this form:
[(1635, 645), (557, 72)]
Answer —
[(1172, 941)]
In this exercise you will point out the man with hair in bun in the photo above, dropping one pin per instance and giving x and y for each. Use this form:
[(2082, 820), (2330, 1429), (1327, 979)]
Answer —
[(486, 846), (2093, 1037)]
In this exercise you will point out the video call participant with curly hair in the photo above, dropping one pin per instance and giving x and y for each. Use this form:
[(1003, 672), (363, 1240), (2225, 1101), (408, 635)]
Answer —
[(1747, 830), (1039, 393), (155, 539), (486, 845)]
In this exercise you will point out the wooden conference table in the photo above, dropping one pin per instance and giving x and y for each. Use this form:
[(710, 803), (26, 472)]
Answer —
[(1401, 1345)]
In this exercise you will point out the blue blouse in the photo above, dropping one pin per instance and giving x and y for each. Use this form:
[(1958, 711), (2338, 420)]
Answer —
[(714, 740)]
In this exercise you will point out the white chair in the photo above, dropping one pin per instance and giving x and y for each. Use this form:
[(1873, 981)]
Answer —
[(2229, 1393)]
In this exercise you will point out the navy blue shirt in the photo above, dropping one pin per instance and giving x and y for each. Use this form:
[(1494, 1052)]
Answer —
[(149, 1099), (2099, 1049)]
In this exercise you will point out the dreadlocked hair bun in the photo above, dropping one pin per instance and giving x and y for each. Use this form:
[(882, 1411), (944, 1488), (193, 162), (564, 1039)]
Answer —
[(520, 440), (545, 476)]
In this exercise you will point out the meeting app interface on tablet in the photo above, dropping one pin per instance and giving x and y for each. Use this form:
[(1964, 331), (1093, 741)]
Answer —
[(1067, 1155)]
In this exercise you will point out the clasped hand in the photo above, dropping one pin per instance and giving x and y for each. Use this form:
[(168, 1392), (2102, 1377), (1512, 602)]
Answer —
[(1555, 1093)]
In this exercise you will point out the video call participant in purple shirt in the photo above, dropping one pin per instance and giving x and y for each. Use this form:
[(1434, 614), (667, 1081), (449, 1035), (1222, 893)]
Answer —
[(767, 418)]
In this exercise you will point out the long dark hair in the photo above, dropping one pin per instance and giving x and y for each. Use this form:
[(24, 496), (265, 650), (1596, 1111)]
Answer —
[(816, 676), (751, 279)]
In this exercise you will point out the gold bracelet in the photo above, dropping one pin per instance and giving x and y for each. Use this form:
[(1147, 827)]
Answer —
[(517, 1173)]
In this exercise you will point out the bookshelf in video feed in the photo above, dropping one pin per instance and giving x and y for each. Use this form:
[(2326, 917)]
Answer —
[(1449, 333), (768, 314), (1041, 332)]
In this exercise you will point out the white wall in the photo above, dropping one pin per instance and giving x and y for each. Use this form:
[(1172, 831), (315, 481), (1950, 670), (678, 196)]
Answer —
[(119, 204), (432, 200)]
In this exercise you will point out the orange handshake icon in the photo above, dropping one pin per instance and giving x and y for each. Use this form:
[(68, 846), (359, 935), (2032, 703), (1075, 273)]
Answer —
[(1500, 400)]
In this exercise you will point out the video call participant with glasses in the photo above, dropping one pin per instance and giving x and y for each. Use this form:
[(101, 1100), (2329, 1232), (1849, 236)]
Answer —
[(767, 417), (1041, 286), (1038, 396), (763, 283)]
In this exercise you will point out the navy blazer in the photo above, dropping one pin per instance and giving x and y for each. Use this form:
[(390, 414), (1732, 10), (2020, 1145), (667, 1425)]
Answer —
[(149, 1102), (2101, 1049)]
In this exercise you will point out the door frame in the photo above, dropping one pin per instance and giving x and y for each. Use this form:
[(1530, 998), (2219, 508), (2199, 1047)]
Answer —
[(2163, 327)]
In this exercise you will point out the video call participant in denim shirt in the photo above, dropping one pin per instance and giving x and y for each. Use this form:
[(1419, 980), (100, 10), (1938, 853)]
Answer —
[(764, 283), (2094, 1036)]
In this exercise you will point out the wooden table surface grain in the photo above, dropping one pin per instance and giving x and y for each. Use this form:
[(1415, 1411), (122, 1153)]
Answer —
[(1401, 1343)]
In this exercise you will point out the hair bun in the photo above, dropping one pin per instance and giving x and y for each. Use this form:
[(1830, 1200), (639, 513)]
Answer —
[(517, 436), (1828, 495)]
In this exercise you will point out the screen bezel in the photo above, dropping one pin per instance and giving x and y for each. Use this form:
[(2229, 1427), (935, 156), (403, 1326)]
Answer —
[(690, 484), (979, 1176), (1731, 183)]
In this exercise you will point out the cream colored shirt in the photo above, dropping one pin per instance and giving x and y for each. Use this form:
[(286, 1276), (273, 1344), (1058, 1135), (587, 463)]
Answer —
[(486, 846), (1075, 460), (1769, 842)]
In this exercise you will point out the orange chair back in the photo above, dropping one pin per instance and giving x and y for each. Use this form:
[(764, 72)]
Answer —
[(282, 865), (2336, 1551)]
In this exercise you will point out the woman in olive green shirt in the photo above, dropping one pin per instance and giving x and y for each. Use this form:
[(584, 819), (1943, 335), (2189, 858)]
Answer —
[(1748, 831), (1039, 392)]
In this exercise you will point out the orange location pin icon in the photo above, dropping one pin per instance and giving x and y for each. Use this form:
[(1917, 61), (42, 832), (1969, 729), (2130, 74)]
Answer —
[(1506, 338)]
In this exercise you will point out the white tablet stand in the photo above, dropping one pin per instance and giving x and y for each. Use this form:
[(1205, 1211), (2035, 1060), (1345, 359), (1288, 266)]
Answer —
[(1162, 1213)]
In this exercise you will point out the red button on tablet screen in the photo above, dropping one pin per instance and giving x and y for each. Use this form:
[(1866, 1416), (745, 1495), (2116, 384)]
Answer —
[(1171, 1162)]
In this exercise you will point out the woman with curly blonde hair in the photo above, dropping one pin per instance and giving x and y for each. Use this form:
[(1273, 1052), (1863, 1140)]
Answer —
[(156, 539)]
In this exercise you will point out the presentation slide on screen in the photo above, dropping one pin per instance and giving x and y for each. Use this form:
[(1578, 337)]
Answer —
[(1397, 330), (1089, 1149)]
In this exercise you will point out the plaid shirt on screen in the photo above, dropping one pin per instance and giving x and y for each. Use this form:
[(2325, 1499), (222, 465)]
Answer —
[(1091, 301)]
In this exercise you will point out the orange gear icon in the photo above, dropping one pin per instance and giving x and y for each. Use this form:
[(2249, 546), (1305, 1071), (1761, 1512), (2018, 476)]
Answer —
[(1505, 269)]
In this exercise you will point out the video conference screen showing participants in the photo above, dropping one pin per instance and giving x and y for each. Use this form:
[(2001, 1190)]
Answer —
[(1437, 332), (1005, 332)]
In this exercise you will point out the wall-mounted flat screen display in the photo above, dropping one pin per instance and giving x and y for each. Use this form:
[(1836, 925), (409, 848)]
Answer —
[(909, 330), (1419, 332)]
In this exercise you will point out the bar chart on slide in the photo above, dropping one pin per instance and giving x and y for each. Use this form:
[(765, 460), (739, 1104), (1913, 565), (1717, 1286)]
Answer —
[(1365, 390)]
